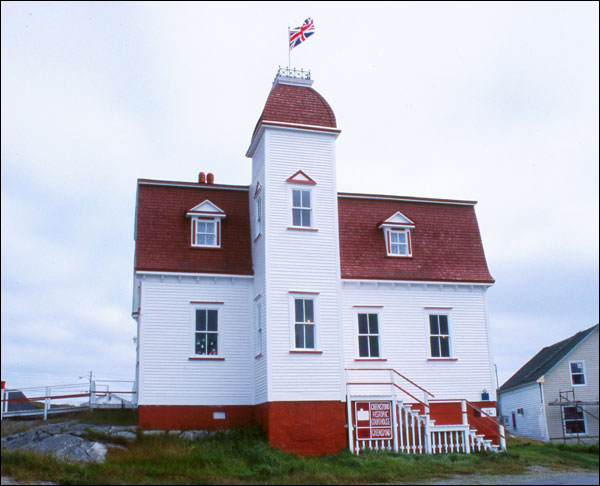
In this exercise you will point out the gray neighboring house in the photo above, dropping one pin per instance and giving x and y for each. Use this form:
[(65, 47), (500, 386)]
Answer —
[(554, 396)]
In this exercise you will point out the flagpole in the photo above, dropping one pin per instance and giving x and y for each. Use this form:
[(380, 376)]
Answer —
[(289, 50)]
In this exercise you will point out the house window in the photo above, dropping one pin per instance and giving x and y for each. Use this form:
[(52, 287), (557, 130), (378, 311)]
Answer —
[(301, 208), (304, 326), (258, 215), (577, 373), (259, 328), (514, 420), (398, 243), (573, 420), (207, 332), (368, 336), (439, 335), (205, 232)]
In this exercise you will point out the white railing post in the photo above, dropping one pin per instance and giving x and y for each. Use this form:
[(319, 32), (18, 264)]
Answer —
[(395, 424), (463, 409), (467, 441), (401, 426), (92, 394), (46, 403), (350, 425), (502, 438), (427, 435)]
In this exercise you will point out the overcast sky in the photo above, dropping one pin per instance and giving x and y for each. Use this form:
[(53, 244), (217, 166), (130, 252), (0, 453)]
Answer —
[(494, 102)]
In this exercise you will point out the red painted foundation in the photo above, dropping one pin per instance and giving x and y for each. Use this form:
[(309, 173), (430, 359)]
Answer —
[(305, 428), (190, 417)]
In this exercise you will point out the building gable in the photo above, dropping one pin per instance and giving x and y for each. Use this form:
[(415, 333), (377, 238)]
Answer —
[(545, 360)]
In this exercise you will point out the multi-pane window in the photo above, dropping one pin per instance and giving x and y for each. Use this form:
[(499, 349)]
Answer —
[(577, 373), (368, 335), (207, 332), (573, 420), (301, 208), (398, 243), (205, 232), (439, 336), (304, 326)]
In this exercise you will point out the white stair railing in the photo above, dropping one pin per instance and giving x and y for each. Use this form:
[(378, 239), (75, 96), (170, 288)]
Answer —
[(414, 432)]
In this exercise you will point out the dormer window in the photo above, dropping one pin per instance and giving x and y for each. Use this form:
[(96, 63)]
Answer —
[(397, 230), (398, 244), (206, 225), (206, 232)]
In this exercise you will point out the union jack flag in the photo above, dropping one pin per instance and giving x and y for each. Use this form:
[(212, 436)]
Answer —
[(300, 34)]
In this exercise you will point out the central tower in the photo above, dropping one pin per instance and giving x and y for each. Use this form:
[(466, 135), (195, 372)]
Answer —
[(299, 371)]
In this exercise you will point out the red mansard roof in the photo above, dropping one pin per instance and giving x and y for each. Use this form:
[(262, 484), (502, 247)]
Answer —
[(163, 232), (446, 244), (296, 104)]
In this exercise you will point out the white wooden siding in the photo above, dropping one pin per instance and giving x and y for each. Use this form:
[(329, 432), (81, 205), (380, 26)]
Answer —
[(167, 376), (302, 261), (559, 378), (259, 263), (404, 336), (531, 423)]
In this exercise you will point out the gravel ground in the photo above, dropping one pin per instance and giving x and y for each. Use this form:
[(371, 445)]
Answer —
[(535, 475)]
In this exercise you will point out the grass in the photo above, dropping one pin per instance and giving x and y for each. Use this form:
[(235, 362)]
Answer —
[(243, 456)]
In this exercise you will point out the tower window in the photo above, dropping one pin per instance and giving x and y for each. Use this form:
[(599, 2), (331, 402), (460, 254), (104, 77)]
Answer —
[(301, 208)]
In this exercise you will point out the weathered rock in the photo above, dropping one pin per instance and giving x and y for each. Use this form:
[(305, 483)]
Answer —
[(62, 440), (123, 434), (69, 448), (194, 434), (153, 432)]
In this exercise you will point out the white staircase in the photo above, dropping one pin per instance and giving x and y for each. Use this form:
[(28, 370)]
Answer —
[(413, 430)]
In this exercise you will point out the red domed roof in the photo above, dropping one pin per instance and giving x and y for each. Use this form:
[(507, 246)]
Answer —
[(301, 105)]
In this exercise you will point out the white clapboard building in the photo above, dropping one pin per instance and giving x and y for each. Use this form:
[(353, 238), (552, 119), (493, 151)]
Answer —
[(289, 304), (554, 396)]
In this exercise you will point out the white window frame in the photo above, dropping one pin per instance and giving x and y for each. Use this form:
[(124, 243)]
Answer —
[(564, 424), (389, 244), (368, 310), (259, 328), (315, 299), (439, 312), (259, 215), (196, 220), (220, 320), (258, 211), (583, 373), (291, 207)]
